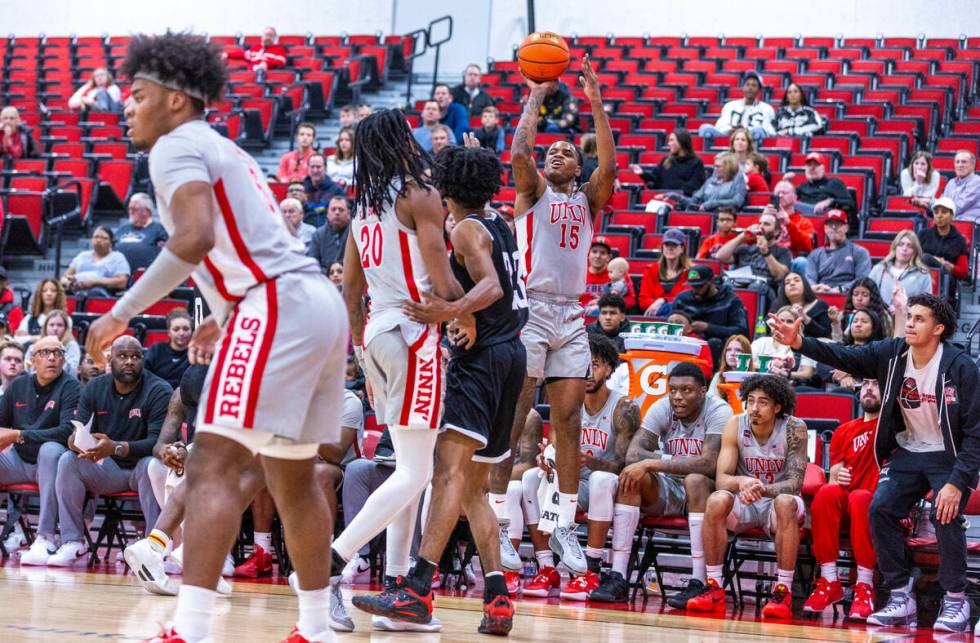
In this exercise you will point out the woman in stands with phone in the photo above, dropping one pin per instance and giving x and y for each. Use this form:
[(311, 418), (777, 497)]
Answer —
[(795, 291)]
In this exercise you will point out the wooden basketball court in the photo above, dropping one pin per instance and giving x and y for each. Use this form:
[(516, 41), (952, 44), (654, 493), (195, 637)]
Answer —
[(39, 604)]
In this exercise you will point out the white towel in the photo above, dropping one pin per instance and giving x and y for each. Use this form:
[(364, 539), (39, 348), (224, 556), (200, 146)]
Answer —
[(548, 494)]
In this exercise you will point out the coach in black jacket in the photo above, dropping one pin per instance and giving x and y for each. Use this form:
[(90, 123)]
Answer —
[(36, 412), (928, 438), (126, 408)]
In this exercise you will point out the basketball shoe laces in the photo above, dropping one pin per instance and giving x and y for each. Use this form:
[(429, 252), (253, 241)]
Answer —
[(952, 608), (897, 603)]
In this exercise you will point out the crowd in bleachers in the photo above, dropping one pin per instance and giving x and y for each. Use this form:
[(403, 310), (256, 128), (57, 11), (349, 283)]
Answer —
[(818, 180)]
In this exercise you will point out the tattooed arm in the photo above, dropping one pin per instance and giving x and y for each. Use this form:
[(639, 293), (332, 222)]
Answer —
[(645, 445), (530, 184), (527, 447), (795, 467), (626, 420), (705, 465)]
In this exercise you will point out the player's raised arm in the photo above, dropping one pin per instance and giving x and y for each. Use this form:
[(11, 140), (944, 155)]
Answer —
[(530, 184), (600, 185)]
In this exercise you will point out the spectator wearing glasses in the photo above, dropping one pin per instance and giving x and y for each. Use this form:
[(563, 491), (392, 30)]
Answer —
[(58, 325), (964, 188), (125, 409), (38, 409)]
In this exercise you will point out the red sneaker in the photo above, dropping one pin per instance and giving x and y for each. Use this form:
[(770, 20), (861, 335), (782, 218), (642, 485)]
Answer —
[(256, 565), (513, 582), (780, 605), (296, 637), (710, 599), (825, 594), (579, 588), (166, 635), (436, 579), (498, 616), (864, 602), (546, 580)]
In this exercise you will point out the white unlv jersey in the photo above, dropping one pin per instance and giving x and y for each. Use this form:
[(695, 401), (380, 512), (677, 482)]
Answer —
[(554, 238), (598, 431), (393, 267), (767, 462), (251, 242)]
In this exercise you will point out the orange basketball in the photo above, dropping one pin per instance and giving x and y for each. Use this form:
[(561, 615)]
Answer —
[(543, 56)]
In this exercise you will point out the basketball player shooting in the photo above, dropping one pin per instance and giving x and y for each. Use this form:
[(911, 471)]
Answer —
[(273, 388), (554, 232)]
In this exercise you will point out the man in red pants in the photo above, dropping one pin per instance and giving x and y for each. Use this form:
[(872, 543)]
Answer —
[(853, 479)]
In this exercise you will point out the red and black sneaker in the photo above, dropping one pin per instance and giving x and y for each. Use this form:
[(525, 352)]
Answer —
[(498, 616), (400, 602)]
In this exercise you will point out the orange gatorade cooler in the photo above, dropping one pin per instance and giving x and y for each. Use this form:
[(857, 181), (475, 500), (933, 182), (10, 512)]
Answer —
[(652, 350)]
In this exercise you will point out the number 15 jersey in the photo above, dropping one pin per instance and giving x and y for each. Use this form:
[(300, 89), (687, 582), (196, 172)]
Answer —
[(554, 238)]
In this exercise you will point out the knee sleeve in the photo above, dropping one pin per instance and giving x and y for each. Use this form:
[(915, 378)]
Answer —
[(602, 495), (157, 473), (515, 492), (530, 482)]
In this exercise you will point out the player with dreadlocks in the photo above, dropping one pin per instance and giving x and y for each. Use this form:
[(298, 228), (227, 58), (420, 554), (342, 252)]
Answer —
[(483, 381), (273, 389), (396, 254)]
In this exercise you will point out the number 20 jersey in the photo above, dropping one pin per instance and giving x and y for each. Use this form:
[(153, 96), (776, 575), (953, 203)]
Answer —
[(554, 238)]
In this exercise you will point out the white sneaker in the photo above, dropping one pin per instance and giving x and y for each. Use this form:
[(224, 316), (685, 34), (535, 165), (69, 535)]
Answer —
[(229, 566), (386, 624), (954, 616), (15, 540), (224, 587), (564, 542), (174, 565), (900, 611), (509, 558), (356, 566), (147, 564), (39, 553), (68, 554)]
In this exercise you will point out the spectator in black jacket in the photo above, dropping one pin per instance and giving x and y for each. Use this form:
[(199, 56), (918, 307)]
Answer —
[(716, 311), (320, 189), (168, 360), (795, 116), (124, 409), (328, 242), (469, 94), (612, 319), (559, 111), (490, 134), (928, 439), (818, 193), (36, 412), (943, 246), (680, 171)]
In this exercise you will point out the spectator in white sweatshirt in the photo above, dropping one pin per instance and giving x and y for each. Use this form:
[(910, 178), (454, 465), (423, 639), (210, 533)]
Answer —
[(750, 113)]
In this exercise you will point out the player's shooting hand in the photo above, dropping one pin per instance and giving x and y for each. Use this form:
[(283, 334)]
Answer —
[(750, 491), (589, 80), (431, 310), (948, 503), (100, 335), (470, 141), (203, 342), (784, 333)]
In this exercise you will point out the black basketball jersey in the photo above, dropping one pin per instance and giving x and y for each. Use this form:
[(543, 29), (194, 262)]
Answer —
[(502, 320)]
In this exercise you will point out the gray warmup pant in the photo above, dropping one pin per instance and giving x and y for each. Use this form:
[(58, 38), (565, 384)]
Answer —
[(361, 478), (13, 470), (75, 477)]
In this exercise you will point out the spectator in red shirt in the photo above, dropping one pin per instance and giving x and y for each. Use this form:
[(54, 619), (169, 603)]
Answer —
[(292, 165), (756, 167), (16, 141), (787, 213), (664, 279), (265, 55), (597, 276), (853, 480), (724, 225)]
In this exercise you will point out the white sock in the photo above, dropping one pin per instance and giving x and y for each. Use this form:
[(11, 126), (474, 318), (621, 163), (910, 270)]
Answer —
[(567, 504), (413, 470), (545, 559), (866, 575), (625, 520), (714, 572), (314, 606), (595, 552), (828, 571), (696, 521), (515, 491), (498, 502), (958, 596), (194, 608), (263, 539), (785, 577), (908, 586)]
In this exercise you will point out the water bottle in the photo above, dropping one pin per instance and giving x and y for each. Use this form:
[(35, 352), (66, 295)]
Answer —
[(760, 326)]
